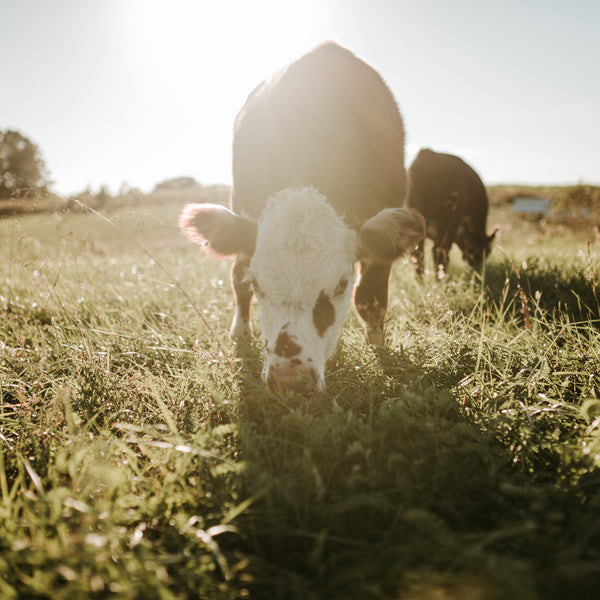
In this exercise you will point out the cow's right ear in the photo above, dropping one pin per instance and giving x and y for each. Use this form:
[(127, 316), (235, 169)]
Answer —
[(391, 233), (218, 230)]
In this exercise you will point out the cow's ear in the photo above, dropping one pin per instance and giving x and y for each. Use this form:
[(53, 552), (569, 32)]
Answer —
[(390, 233), (492, 234), (218, 230)]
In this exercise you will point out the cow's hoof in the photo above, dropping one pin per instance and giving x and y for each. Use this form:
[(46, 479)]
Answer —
[(240, 330), (375, 337)]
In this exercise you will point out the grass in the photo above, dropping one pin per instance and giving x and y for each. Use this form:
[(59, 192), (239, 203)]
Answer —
[(141, 456)]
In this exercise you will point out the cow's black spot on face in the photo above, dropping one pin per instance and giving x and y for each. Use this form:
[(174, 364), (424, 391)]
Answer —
[(285, 346), (323, 313)]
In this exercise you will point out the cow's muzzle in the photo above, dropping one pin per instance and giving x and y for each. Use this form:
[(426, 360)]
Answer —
[(292, 376)]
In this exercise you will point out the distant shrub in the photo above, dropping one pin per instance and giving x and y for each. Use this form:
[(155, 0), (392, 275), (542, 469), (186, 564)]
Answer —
[(579, 197), (177, 183)]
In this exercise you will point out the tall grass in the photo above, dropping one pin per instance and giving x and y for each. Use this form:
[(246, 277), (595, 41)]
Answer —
[(141, 456)]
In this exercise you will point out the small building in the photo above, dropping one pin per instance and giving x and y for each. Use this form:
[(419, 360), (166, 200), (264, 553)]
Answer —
[(532, 206)]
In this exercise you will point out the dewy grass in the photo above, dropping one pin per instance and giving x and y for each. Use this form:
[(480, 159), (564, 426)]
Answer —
[(142, 457)]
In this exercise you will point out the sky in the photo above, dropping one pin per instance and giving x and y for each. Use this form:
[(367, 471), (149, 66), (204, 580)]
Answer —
[(135, 92)]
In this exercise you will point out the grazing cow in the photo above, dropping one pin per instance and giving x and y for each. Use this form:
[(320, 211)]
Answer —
[(318, 183), (452, 198)]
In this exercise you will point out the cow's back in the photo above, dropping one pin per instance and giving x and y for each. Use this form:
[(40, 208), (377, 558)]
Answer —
[(444, 188), (327, 120)]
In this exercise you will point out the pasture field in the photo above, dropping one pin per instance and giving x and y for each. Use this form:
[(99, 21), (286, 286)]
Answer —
[(141, 456)]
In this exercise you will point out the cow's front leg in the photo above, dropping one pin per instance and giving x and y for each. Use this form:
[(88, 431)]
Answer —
[(242, 297), (440, 259), (417, 259), (371, 297)]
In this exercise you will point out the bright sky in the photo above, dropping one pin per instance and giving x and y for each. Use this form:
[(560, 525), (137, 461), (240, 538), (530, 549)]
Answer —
[(138, 91)]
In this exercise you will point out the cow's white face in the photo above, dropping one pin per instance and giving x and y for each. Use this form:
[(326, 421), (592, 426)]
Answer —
[(302, 275), (301, 270)]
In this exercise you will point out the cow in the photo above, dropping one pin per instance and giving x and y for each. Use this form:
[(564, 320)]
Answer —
[(453, 200), (318, 184)]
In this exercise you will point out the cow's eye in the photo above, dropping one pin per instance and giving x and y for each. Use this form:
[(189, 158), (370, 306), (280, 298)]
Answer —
[(341, 287)]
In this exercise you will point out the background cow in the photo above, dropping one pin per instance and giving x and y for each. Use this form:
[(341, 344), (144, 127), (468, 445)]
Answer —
[(318, 183), (452, 198)]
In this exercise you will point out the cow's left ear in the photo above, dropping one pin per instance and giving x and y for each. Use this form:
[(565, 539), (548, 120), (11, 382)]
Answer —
[(492, 234), (390, 233), (218, 230)]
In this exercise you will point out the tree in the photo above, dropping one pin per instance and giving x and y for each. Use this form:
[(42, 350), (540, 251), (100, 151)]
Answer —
[(22, 168)]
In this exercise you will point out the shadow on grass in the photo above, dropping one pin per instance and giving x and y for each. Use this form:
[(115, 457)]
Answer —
[(381, 488), (553, 289)]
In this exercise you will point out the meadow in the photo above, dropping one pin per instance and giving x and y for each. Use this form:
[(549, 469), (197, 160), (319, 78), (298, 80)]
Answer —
[(142, 457)]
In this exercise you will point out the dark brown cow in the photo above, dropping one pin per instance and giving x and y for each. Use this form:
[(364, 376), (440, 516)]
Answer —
[(453, 200), (319, 183)]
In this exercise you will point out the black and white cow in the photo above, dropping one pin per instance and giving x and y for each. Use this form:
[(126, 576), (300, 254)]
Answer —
[(453, 200), (318, 184)]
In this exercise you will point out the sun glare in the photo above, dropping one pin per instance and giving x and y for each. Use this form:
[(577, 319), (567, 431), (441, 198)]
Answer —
[(234, 38), (200, 60)]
